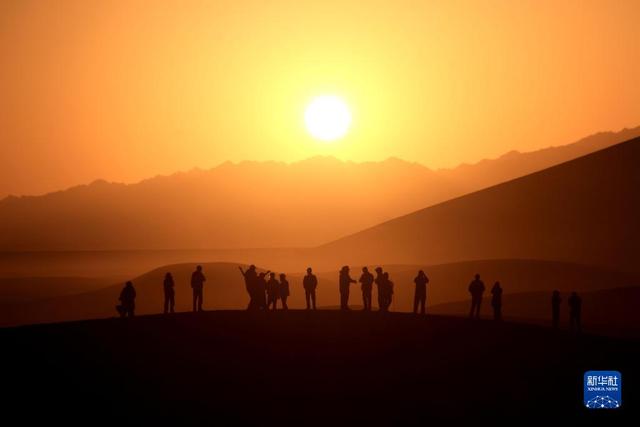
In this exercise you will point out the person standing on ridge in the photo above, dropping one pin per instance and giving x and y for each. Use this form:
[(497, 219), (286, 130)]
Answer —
[(387, 291), (345, 281), (379, 281), (476, 289), (420, 295), (197, 284), (169, 293), (250, 282), (261, 289), (366, 280), (310, 283), (555, 309), (284, 291), (273, 291), (496, 301)]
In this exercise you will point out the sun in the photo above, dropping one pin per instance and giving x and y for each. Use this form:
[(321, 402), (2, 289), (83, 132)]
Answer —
[(327, 118)]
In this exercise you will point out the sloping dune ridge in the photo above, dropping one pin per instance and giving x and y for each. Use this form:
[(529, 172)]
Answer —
[(583, 211)]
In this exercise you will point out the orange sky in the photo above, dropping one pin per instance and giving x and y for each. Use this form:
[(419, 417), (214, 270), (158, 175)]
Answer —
[(122, 91)]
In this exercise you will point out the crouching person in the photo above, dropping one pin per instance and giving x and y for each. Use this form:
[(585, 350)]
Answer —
[(127, 298)]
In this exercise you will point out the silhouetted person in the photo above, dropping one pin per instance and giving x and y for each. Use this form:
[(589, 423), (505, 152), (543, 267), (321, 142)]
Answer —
[(496, 301), (169, 293), (379, 281), (345, 281), (284, 291), (273, 291), (387, 291), (197, 283), (575, 312), (555, 309), (420, 296), (261, 289), (476, 289), (250, 281), (310, 283), (366, 281), (127, 299)]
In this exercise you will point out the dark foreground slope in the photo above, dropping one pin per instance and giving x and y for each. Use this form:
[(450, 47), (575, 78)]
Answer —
[(304, 368), (611, 312)]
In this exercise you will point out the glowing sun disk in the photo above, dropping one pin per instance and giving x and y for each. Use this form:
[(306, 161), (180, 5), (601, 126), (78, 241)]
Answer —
[(327, 118)]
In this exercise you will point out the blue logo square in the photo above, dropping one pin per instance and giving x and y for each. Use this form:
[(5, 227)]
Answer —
[(602, 389)]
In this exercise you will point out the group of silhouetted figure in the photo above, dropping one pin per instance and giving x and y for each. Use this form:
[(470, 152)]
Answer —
[(477, 288), (366, 280), (264, 293), (127, 306)]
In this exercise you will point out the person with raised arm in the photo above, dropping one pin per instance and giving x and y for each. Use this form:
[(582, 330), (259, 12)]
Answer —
[(250, 281)]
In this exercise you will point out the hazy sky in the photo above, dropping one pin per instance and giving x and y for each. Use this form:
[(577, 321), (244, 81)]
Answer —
[(124, 90)]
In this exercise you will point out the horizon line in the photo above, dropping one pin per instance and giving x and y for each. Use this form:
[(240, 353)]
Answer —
[(315, 157)]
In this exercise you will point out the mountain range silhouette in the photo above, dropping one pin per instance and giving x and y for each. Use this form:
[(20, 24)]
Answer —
[(256, 204)]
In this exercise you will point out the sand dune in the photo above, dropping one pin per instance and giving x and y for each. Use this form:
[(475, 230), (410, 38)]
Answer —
[(584, 211), (26, 289)]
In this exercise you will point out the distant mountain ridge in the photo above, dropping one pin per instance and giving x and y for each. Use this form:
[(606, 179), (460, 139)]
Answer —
[(256, 204), (514, 163)]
